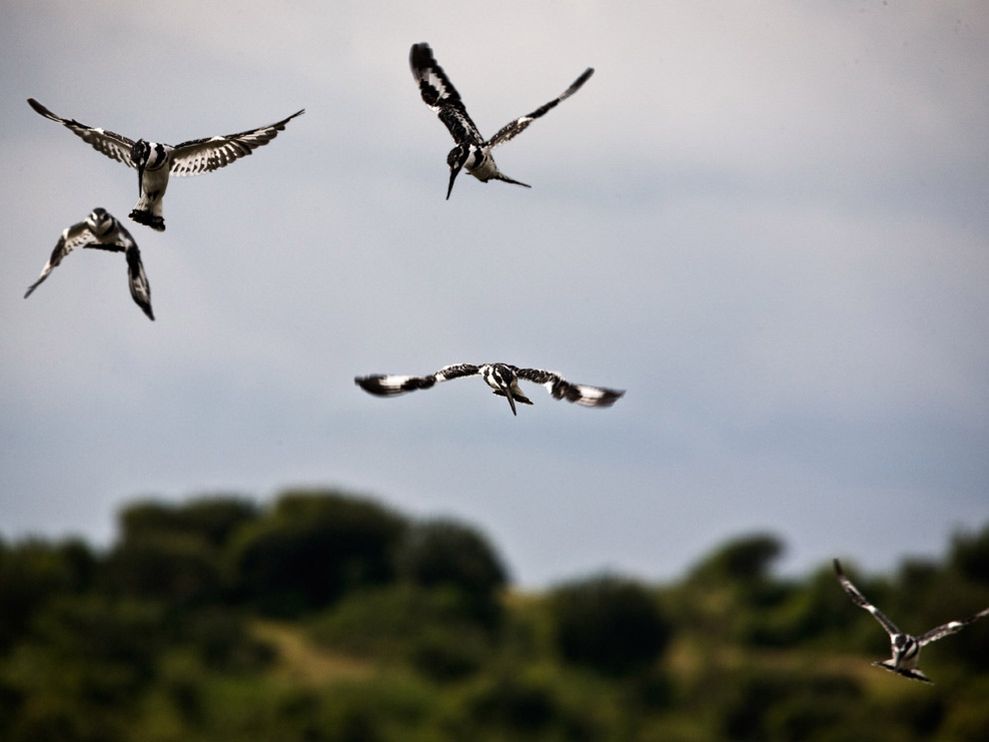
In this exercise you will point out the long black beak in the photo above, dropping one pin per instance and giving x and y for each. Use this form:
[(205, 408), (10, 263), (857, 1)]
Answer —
[(454, 171), (140, 180), (511, 400)]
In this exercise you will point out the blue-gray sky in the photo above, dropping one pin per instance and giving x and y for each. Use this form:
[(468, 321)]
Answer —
[(767, 221)]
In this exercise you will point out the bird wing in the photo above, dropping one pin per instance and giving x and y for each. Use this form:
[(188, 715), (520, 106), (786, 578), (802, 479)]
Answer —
[(439, 94), (211, 153), (115, 146), (859, 600), (387, 385), (952, 627), (78, 235), (520, 124), (140, 289), (560, 388)]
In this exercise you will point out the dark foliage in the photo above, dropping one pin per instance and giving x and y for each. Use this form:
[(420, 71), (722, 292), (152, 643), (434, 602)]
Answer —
[(311, 549), (608, 623)]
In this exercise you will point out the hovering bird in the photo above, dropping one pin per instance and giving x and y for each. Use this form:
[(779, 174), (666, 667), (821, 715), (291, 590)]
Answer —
[(155, 162), (102, 231), (471, 151), (502, 377), (905, 648)]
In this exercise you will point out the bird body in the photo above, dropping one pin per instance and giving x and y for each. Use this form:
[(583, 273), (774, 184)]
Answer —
[(904, 648), (472, 152), (155, 161), (503, 378), (102, 231)]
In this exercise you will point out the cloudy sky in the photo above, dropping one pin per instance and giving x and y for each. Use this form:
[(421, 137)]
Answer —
[(767, 221)]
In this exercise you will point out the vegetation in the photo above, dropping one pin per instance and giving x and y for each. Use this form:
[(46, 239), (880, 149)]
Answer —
[(330, 617)]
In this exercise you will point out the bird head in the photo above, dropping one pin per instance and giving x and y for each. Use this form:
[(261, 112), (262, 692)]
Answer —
[(99, 221), (456, 160)]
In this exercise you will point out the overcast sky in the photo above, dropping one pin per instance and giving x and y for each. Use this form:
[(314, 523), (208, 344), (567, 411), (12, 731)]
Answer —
[(769, 222)]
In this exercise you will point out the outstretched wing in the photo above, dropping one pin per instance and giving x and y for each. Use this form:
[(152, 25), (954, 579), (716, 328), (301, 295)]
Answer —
[(859, 600), (115, 146), (439, 94), (519, 125), (385, 385), (78, 235), (560, 388), (952, 627), (205, 155)]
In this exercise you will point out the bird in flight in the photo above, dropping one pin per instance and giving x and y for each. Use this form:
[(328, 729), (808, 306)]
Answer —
[(471, 150), (503, 378), (905, 648), (155, 161), (101, 231)]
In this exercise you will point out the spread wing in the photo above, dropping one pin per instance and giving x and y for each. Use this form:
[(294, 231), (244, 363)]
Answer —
[(952, 627), (385, 385), (859, 600), (519, 125), (78, 235), (205, 155), (560, 388), (115, 146), (439, 94)]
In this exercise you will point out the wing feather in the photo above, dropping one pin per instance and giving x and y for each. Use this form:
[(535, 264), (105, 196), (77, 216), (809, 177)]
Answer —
[(516, 127), (115, 146), (439, 94), (78, 235), (388, 385), (859, 600), (560, 388), (952, 627), (211, 153)]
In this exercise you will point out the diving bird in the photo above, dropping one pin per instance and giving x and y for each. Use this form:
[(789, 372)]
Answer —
[(101, 231), (472, 151), (503, 378), (904, 647), (155, 161)]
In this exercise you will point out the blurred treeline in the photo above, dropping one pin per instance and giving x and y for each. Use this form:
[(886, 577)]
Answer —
[(329, 617)]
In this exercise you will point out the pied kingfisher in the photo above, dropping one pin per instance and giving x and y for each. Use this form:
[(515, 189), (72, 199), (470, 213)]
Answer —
[(155, 162), (502, 377), (102, 232), (905, 648), (471, 151)]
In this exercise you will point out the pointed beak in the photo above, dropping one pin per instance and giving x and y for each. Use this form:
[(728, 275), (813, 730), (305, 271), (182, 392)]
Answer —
[(454, 171), (511, 400), (140, 179)]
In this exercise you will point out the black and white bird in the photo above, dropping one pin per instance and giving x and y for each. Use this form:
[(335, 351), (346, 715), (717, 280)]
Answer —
[(905, 648), (472, 151), (503, 378), (155, 161), (102, 231)]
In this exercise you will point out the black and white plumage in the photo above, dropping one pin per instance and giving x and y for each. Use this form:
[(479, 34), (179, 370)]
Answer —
[(905, 648), (472, 151), (503, 378), (155, 161), (101, 231)]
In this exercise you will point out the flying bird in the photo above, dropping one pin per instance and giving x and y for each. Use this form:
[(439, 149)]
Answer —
[(503, 378), (155, 161), (101, 231), (471, 150), (904, 647)]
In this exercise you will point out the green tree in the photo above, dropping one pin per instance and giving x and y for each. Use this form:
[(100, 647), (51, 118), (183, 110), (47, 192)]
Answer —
[(609, 623), (313, 547)]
